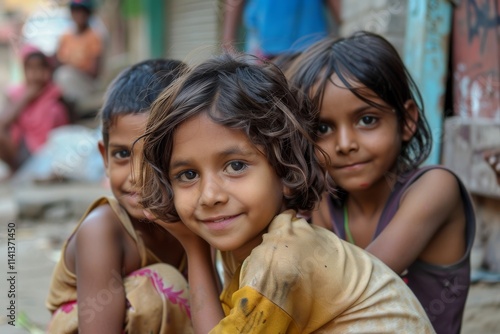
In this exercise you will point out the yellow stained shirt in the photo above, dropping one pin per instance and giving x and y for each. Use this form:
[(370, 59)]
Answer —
[(304, 279)]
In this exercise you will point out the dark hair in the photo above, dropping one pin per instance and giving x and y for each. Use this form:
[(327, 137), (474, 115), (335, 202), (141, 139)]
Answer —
[(237, 92), (285, 60), (85, 5), (370, 60), (134, 89), (40, 55)]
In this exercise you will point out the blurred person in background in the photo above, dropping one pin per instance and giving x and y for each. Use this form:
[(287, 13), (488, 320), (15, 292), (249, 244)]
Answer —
[(274, 27), (79, 54), (32, 109)]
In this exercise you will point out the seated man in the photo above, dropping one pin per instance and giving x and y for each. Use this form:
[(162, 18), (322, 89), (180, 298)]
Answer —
[(79, 54)]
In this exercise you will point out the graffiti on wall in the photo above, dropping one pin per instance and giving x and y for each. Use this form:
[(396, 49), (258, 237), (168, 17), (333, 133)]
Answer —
[(483, 18), (476, 54)]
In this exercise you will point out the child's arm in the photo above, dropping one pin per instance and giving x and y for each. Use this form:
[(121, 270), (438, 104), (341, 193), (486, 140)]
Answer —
[(206, 310), (320, 216), (98, 264), (429, 224)]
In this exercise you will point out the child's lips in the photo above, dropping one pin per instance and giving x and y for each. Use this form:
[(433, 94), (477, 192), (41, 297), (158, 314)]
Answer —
[(219, 222), (133, 197), (351, 166)]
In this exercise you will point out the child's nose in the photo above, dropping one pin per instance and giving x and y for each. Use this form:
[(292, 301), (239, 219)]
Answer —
[(212, 191), (346, 141)]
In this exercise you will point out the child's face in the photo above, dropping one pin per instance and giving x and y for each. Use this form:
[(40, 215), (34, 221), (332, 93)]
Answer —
[(36, 71), (224, 188), (119, 163), (363, 142)]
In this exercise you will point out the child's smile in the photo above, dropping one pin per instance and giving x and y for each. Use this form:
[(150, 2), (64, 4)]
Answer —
[(118, 160)]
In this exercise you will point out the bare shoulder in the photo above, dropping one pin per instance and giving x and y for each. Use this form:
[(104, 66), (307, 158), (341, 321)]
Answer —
[(98, 231), (101, 220), (428, 225), (438, 184)]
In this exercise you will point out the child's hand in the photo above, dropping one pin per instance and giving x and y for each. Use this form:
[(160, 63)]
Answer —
[(179, 230), (493, 160)]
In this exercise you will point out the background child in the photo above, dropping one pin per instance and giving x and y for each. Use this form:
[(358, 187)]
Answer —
[(420, 222), (32, 110), (228, 150), (118, 272)]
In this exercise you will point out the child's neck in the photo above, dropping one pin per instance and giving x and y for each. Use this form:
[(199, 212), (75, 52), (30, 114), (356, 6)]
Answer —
[(369, 202), (243, 252)]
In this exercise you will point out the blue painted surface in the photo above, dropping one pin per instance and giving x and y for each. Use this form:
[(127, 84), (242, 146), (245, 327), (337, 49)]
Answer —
[(426, 52), (155, 11)]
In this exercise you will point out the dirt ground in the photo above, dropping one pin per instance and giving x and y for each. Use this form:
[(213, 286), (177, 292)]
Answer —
[(482, 312), (37, 249)]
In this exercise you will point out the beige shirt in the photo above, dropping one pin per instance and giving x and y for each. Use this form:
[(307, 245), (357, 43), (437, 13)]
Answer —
[(304, 279)]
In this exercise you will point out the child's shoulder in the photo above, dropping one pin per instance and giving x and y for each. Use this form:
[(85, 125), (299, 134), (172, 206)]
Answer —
[(98, 229), (101, 218), (290, 243), (105, 217), (434, 178)]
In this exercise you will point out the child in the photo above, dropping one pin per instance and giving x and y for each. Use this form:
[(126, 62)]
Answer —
[(119, 273), (229, 152), (32, 110), (420, 222), (79, 52)]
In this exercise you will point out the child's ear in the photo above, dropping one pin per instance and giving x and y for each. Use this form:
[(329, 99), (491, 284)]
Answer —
[(286, 191), (102, 150), (411, 114)]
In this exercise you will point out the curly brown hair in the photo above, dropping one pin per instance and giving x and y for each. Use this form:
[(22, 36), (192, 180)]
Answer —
[(238, 92)]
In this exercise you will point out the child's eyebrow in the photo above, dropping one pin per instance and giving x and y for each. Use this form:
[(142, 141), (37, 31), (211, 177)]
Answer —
[(240, 151), (116, 145)]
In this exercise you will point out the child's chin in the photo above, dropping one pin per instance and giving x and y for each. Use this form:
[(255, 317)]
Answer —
[(136, 212)]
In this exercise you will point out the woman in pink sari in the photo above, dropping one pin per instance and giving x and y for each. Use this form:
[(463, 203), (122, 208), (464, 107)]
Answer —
[(32, 110)]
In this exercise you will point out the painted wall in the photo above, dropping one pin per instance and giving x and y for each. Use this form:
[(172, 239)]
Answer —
[(476, 59), (475, 126), (426, 55)]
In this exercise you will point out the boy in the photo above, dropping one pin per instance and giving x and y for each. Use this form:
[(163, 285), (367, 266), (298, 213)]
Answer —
[(118, 272)]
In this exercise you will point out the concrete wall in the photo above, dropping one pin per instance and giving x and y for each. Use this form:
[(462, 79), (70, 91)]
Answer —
[(385, 17)]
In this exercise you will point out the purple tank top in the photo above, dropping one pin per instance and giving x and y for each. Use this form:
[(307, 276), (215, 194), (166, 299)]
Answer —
[(442, 290)]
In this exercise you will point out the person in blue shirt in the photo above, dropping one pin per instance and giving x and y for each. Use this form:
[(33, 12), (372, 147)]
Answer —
[(278, 26)]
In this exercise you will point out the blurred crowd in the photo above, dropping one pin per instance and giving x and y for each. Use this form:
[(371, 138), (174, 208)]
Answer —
[(41, 137)]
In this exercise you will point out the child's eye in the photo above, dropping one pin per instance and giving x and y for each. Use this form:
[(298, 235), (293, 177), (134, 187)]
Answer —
[(235, 167), (323, 129), (121, 154), (367, 120), (186, 176)]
